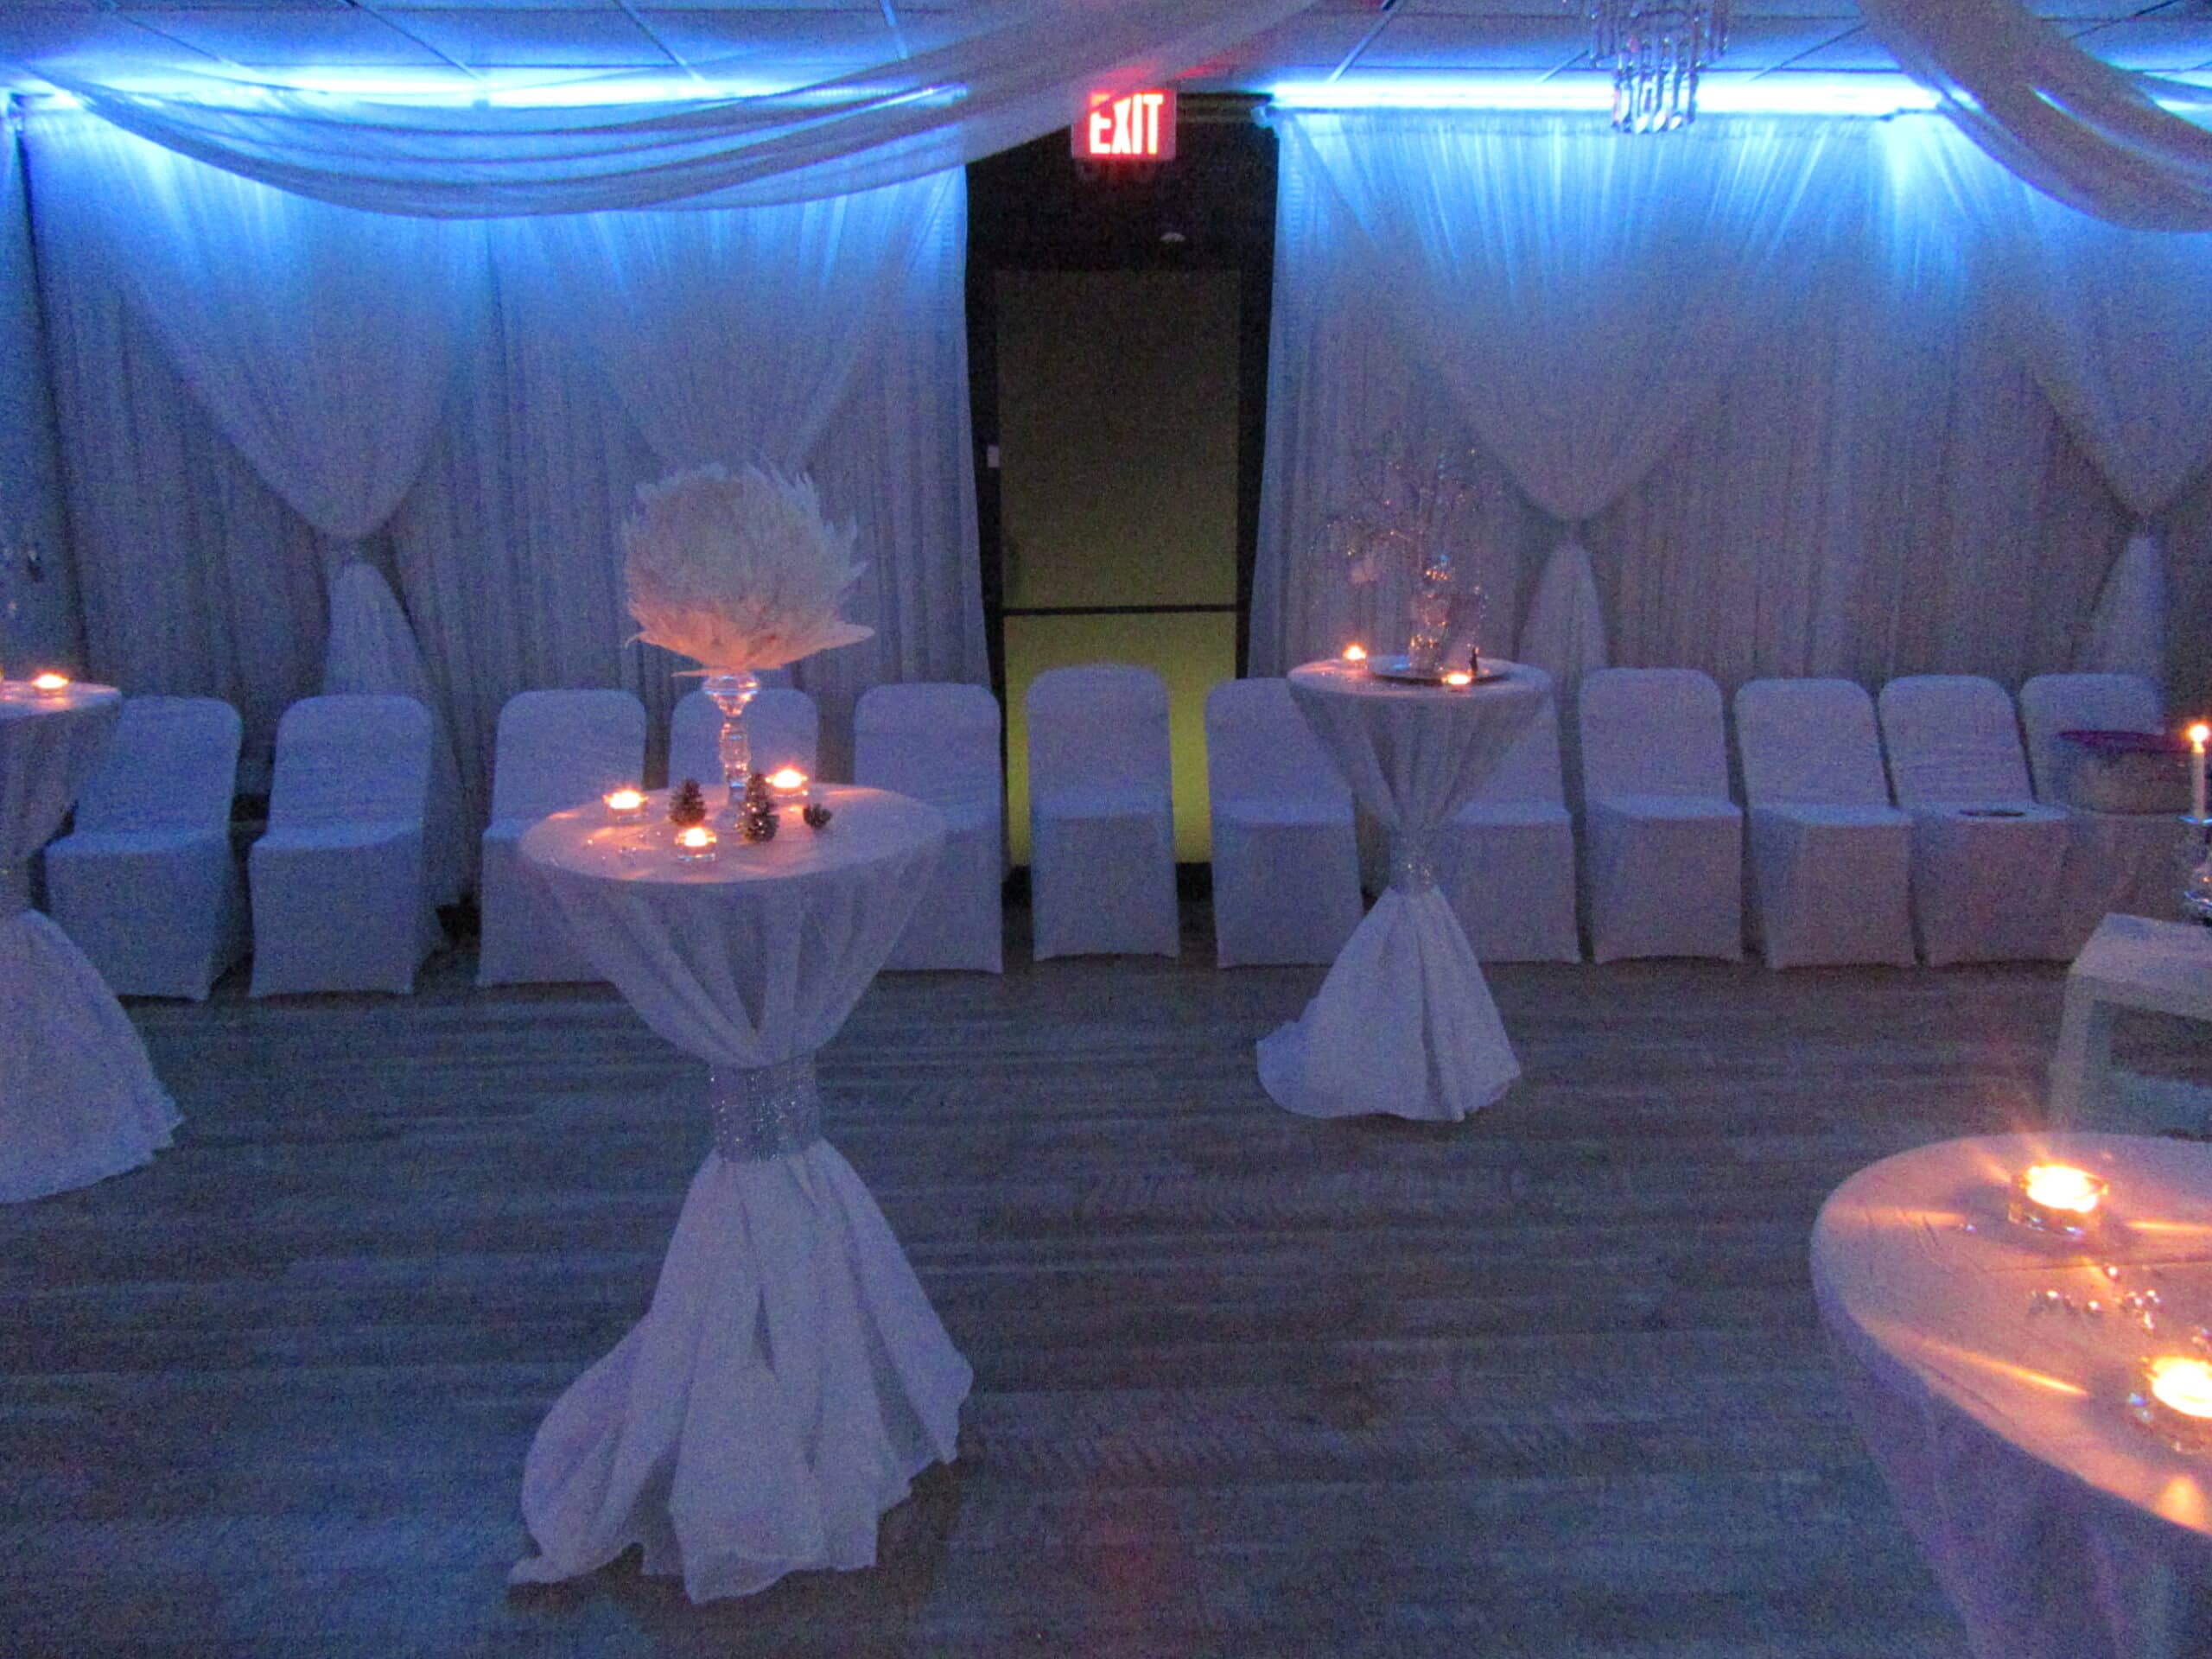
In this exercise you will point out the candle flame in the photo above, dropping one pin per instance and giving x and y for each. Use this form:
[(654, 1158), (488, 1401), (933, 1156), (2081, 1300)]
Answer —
[(1354, 653), (789, 779), (2182, 1383), (696, 835), (50, 682), (2062, 1186), (1458, 677), (626, 800), (2197, 735)]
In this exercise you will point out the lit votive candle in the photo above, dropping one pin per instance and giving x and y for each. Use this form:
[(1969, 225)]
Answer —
[(1458, 677), (788, 783), (626, 805), (2173, 1400), (695, 844), (1354, 653), (2197, 735), (2056, 1198), (50, 684)]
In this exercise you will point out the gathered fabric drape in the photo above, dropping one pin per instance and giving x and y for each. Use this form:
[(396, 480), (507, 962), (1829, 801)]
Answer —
[(576, 361), (971, 82), (1879, 480), (2077, 129), (1579, 325)]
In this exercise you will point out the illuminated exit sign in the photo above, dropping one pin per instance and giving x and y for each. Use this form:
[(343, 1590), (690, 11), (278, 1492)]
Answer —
[(1135, 127)]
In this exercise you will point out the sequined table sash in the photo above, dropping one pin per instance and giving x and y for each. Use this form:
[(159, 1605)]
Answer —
[(763, 1112)]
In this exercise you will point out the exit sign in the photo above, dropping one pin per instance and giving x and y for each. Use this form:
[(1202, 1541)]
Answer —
[(1135, 127)]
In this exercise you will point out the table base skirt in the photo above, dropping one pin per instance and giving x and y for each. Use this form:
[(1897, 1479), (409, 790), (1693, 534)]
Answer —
[(786, 1385), (1403, 1025), (2039, 1564), (78, 1100)]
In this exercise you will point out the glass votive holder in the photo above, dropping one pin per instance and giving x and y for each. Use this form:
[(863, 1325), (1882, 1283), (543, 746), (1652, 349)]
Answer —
[(1458, 677), (50, 684), (788, 784), (1355, 654), (2173, 1400), (695, 844), (625, 806), (2057, 1198)]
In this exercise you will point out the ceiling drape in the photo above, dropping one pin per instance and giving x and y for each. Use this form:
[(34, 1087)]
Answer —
[(2094, 137), (986, 78)]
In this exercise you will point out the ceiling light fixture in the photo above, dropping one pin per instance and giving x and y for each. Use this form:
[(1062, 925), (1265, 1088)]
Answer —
[(1655, 50)]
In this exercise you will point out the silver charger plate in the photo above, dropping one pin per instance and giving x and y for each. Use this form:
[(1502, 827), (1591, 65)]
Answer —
[(1402, 670)]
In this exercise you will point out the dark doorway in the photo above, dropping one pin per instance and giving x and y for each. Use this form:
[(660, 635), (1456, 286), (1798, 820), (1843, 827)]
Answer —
[(1118, 343)]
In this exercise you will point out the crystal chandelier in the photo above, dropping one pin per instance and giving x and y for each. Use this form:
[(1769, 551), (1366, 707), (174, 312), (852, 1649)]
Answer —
[(1655, 48)]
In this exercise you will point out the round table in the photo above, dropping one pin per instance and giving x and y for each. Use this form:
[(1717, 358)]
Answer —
[(2059, 1527), (78, 1100), (1404, 1023), (789, 1379)]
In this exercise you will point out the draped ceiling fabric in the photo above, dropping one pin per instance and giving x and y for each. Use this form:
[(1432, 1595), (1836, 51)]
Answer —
[(1872, 478), (2092, 135), (228, 435), (991, 76)]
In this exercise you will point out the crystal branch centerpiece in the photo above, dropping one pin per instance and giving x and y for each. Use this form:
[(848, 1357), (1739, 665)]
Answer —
[(740, 572)]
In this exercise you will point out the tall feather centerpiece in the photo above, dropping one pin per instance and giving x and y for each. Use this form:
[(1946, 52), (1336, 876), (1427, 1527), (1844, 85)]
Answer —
[(740, 571)]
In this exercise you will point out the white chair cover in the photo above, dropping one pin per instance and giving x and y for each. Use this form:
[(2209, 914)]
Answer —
[(373, 651), (556, 749), (339, 896), (1285, 860), (1987, 858), (2122, 862), (939, 743), (1102, 827), (1506, 859), (1831, 858), (1662, 840), (78, 1100), (782, 728), (147, 885)]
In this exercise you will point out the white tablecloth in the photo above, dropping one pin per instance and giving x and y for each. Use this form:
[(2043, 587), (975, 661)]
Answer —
[(78, 1101), (789, 1379), (1404, 1023), (2059, 1527)]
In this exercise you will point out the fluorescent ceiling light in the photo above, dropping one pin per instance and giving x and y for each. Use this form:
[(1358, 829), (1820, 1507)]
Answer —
[(1718, 93)]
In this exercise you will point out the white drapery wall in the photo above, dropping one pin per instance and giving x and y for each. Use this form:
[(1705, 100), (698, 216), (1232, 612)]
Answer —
[(830, 335), (1873, 483)]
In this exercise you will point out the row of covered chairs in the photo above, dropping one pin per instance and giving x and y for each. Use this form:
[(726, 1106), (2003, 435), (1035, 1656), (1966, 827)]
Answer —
[(1868, 827), (1967, 854), (147, 885)]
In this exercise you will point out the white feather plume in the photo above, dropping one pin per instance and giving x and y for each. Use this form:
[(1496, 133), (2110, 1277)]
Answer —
[(737, 571)]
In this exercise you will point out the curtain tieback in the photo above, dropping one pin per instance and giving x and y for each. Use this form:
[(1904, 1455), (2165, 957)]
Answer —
[(764, 1111), (1412, 861)]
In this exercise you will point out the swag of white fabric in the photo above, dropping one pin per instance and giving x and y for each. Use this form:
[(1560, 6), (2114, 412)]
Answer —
[(2101, 315), (1580, 298), (480, 434), (1881, 474), (998, 74), (2072, 125)]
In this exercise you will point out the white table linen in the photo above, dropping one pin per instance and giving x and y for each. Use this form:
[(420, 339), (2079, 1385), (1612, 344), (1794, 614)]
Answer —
[(2059, 1527), (1404, 1023), (78, 1100), (789, 1379)]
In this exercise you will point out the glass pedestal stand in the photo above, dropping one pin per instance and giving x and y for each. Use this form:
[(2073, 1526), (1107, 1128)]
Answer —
[(731, 690)]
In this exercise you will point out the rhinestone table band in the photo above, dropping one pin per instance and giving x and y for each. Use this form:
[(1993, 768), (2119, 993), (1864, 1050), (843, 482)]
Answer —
[(1412, 863), (763, 1112)]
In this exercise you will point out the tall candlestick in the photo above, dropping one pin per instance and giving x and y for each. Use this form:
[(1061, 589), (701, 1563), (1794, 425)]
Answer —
[(2198, 735)]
